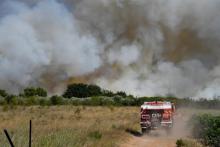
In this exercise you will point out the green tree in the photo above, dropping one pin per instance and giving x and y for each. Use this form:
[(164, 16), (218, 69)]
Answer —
[(31, 91), (121, 93), (82, 90), (94, 90), (3, 93), (41, 92), (108, 93), (10, 99)]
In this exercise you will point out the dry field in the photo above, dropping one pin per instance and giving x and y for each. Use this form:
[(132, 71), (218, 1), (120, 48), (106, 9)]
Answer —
[(68, 126)]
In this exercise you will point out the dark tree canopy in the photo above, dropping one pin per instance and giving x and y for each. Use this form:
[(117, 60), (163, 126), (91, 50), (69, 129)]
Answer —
[(121, 93), (56, 100), (41, 92), (31, 91), (82, 90), (3, 93)]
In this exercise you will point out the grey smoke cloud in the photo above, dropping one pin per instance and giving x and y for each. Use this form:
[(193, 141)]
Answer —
[(151, 47), (40, 40)]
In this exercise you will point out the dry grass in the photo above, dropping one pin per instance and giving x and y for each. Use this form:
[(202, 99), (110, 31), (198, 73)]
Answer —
[(68, 125), (59, 126)]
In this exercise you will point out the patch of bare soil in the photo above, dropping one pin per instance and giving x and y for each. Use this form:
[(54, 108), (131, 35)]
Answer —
[(150, 141)]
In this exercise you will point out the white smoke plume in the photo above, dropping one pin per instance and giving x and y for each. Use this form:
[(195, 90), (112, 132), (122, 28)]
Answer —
[(40, 41), (143, 47)]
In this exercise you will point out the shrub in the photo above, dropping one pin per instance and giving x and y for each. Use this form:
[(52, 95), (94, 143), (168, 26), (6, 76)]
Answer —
[(75, 102), (96, 101), (44, 102), (121, 93), (10, 99), (207, 129), (56, 100), (95, 135), (188, 143), (107, 93), (41, 92), (107, 101), (180, 143), (31, 91), (2, 101), (117, 100), (31, 100), (3, 93), (128, 102)]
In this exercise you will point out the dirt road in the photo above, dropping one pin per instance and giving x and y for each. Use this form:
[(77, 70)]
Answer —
[(154, 139), (160, 138)]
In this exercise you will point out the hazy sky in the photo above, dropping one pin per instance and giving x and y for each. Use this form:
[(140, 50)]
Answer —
[(143, 47)]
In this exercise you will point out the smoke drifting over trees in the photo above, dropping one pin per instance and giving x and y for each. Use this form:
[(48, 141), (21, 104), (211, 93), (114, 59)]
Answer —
[(143, 47)]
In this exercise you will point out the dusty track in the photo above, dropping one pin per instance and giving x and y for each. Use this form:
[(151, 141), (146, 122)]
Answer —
[(160, 138), (150, 141)]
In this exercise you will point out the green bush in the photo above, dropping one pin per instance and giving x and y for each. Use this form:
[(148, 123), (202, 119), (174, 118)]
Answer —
[(117, 100), (3, 93), (10, 99), (82, 91), (128, 102), (95, 135), (207, 128), (107, 93), (180, 143), (96, 101), (31, 100), (31, 91), (107, 102), (56, 100), (188, 143), (44, 102), (75, 102), (41, 92), (2, 101), (121, 93)]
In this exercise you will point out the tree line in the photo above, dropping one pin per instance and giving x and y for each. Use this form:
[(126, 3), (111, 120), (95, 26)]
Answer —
[(89, 94)]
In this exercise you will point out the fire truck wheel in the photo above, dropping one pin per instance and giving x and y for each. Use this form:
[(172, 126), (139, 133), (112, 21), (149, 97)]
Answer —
[(145, 130)]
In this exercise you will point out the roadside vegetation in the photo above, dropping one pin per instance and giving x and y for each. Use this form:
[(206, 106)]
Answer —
[(93, 95), (206, 129), (188, 143)]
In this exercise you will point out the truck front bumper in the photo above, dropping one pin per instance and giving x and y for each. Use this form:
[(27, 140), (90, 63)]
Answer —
[(145, 124), (166, 123)]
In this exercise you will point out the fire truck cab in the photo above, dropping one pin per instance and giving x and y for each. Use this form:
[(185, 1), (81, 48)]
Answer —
[(155, 115)]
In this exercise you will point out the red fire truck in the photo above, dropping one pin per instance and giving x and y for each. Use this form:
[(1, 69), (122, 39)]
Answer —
[(155, 115)]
